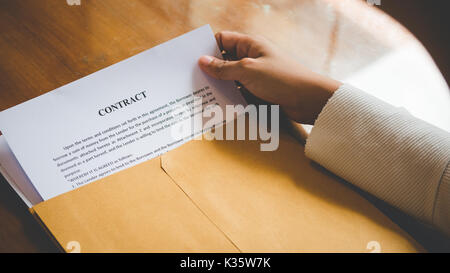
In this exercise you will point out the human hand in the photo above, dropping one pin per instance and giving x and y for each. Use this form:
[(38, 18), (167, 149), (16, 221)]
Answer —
[(272, 75)]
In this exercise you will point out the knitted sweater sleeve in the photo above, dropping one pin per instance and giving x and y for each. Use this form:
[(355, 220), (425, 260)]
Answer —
[(385, 151)]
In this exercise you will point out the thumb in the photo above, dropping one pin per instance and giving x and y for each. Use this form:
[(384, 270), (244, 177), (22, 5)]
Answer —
[(220, 69)]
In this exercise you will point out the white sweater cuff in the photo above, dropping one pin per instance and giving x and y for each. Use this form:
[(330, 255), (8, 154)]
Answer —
[(385, 151)]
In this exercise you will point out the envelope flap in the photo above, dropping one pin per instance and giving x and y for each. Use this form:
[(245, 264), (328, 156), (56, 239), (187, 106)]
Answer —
[(136, 210), (279, 201)]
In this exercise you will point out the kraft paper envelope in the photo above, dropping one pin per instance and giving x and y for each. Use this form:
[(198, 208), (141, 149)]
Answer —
[(222, 196), (277, 201), (136, 210)]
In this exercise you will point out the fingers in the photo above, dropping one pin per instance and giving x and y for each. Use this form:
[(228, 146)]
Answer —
[(221, 69), (240, 45)]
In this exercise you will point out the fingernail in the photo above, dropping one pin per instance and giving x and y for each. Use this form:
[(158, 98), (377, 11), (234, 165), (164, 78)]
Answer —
[(205, 60)]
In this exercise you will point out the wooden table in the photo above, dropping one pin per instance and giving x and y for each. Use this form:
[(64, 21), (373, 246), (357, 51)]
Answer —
[(48, 43)]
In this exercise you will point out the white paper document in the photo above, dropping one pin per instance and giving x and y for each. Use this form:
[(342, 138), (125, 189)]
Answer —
[(16, 177), (115, 118)]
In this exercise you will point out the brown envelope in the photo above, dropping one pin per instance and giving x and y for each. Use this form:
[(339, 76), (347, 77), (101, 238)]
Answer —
[(278, 201), (137, 210), (222, 196)]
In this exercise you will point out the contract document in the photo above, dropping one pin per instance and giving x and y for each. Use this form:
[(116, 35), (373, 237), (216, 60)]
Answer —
[(111, 120)]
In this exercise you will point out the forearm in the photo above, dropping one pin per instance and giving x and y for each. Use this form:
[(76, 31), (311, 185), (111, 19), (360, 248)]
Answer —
[(386, 152)]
